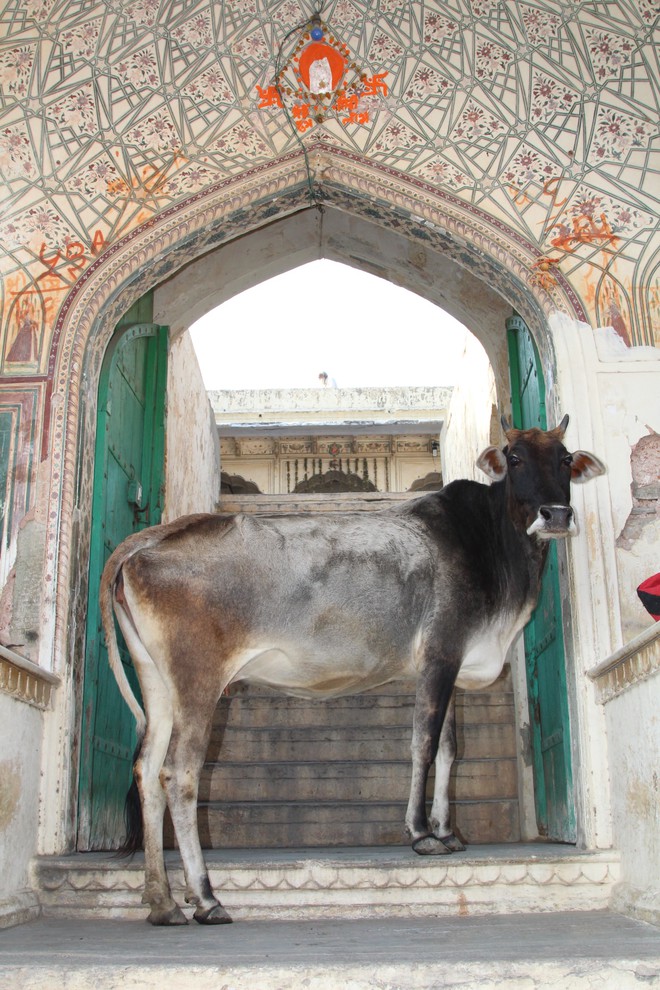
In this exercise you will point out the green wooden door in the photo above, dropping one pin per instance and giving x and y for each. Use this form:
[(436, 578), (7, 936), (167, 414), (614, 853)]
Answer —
[(127, 497), (544, 641)]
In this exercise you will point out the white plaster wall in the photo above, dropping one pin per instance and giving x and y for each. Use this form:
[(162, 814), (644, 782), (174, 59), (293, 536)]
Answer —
[(633, 732), (611, 395), (20, 753), (629, 388), (407, 470), (468, 429), (192, 446), (262, 472)]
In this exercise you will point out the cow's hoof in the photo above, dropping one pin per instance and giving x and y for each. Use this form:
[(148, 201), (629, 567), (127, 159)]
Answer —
[(452, 843), (429, 845), (167, 916), (213, 916)]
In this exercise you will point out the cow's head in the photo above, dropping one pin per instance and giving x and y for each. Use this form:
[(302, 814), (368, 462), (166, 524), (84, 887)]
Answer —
[(538, 470)]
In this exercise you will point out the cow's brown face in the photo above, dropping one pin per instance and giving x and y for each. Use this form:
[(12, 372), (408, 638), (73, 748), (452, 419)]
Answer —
[(538, 470)]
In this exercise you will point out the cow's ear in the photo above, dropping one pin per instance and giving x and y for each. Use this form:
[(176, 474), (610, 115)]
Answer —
[(493, 463), (585, 466)]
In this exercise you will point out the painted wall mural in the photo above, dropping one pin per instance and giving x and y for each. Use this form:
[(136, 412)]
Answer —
[(544, 115)]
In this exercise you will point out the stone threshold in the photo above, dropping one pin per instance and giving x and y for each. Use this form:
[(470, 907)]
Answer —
[(593, 951), (348, 883)]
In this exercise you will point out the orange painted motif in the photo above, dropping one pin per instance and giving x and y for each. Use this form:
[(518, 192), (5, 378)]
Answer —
[(585, 230), (32, 306)]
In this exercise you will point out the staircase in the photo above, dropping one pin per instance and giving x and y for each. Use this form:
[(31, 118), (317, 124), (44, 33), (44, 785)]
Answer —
[(286, 772)]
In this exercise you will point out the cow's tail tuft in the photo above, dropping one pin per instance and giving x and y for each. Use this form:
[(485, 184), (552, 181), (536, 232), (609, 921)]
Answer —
[(133, 823)]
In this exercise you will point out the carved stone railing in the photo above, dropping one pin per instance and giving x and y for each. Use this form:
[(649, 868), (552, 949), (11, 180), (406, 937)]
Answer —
[(631, 664), (320, 502), (26, 681)]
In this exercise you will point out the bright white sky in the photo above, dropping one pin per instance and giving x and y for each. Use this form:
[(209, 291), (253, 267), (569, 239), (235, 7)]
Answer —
[(325, 316)]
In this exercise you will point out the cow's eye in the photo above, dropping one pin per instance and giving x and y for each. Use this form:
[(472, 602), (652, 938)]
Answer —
[(567, 460), (514, 460)]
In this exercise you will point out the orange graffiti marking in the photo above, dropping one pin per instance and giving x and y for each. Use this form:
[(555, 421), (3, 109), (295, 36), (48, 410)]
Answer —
[(269, 97), (373, 85), (553, 193), (518, 196), (586, 230), (356, 118), (344, 102), (152, 179)]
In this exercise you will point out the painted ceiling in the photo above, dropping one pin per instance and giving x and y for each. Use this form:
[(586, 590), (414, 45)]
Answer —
[(543, 115)]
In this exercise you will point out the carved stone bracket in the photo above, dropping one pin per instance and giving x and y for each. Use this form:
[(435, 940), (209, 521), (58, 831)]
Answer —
[(25, 681), (634, 662)]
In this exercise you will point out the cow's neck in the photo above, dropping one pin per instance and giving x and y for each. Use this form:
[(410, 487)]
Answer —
[(523, 557)]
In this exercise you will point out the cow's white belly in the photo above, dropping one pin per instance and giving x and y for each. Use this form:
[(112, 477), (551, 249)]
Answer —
[(486, 653), (314, 675)]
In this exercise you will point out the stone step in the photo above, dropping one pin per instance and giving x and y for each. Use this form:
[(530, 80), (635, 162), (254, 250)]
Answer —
[(290, 824), (257, 708), (369, 781), (595, 950), (343, 883), (350, 743), (592, 950)]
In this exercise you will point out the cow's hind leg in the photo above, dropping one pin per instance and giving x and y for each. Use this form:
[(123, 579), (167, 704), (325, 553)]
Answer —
[(146, 771), (157, 893), (180, 778), (434, 690), (439, 818)]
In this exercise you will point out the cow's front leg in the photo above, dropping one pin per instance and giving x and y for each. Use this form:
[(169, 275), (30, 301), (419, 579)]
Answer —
[(434, 690), (440, 821)]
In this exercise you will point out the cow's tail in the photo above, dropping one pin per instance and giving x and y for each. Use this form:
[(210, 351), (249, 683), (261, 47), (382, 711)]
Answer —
[(109, 581)]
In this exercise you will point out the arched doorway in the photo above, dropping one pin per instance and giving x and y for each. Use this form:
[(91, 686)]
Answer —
[(389, 252)]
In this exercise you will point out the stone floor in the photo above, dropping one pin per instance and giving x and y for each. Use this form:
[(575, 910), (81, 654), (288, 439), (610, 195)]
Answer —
[(592, 950)]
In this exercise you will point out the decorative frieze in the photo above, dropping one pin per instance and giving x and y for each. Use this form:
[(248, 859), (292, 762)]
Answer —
[(325, 446), (388, 882), (633, 663), (25, 681)]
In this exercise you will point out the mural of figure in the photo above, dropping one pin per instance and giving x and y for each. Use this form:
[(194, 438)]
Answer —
[(25, 347)]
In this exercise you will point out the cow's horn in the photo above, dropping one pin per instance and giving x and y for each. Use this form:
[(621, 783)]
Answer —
[(505, 426), (561, 429)]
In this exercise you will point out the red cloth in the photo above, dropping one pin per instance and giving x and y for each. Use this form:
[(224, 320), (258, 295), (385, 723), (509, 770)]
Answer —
[(649, 594)]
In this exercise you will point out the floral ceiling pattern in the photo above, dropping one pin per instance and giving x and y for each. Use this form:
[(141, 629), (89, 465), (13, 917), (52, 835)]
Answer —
[(542, 114)]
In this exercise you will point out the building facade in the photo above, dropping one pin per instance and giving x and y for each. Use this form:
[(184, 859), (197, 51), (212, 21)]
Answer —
[(498, 159)]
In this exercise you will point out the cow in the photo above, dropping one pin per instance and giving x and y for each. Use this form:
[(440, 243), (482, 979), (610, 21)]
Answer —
[(435, 589)]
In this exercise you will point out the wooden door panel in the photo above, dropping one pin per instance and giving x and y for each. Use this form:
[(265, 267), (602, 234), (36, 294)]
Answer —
[(544, 644), (129, 451)]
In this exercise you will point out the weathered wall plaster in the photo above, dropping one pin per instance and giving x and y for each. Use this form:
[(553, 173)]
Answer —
[(469, 423), (639, 540), (635, 782), (20, 750), (192, 447), (627, 386)]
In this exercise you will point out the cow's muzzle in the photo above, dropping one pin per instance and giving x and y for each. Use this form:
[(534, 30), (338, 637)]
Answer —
[(553, 522)]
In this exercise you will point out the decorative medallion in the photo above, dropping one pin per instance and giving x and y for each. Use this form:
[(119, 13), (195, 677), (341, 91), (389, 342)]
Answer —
[(320, 80)]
